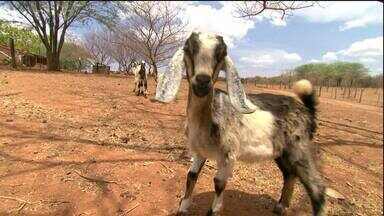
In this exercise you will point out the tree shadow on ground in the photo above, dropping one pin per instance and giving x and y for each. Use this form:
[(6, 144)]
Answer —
[(65, 210), (326, 141), (46, 164), (332, 140), (40, 135)]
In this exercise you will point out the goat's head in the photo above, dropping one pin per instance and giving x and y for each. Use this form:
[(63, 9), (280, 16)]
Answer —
[(203, 56)]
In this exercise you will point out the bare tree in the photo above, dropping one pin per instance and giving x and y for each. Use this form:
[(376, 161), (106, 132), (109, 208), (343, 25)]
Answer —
[(155, 29), (98, 44), (51, 20), (251, 9), (122, 50)]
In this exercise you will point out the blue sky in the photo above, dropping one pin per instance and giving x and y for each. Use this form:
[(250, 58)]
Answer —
[(267, 45)]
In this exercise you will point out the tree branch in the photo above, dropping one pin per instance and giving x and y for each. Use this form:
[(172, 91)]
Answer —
[(252, 9)]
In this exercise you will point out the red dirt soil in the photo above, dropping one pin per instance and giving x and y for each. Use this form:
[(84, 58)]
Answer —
[(80, 144)]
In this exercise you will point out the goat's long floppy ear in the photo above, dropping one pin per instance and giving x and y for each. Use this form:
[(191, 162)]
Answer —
[(169, 83), (235, 89)]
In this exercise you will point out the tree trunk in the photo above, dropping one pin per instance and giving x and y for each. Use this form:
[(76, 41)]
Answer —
[(53, 61), (349, 89), (154, 66), (13, 53), (79, 66)]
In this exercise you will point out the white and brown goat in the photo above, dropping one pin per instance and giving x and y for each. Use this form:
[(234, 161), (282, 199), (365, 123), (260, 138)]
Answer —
[(230, 126), (140, 74)]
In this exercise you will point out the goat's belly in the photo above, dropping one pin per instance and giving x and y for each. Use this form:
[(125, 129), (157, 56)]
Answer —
[(253, 153), (205, 151), (255, 136)]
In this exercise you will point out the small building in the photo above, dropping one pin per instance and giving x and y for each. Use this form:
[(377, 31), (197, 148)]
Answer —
[(100, 68), (30, 60)]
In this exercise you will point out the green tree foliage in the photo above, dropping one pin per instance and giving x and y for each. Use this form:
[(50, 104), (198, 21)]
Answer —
[(24, 38), (347, 72), (74, 56)]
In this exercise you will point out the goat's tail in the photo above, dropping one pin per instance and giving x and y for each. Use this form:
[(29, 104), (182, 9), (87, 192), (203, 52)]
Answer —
[(304, 90)]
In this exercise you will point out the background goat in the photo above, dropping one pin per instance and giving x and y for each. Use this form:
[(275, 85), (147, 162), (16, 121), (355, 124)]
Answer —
[(230, 126), (139, 71)]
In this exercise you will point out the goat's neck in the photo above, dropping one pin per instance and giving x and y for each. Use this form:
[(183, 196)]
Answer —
[(199, 111)]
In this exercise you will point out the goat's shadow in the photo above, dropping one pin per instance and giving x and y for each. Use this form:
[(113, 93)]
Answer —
[(235, 203)]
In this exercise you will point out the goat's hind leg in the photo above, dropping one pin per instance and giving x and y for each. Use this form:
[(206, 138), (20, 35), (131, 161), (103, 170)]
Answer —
[(288, 187), (193, 174), (311, 179), (145, 88), (138, 90)]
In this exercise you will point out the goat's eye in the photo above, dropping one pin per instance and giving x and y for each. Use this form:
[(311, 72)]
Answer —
[(220, 54)]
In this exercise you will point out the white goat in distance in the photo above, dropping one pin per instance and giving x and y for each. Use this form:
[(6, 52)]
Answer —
[(140, 74), (230, 126)]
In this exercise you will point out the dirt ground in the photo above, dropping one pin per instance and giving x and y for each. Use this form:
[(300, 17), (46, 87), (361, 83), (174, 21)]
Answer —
[(81, 144)]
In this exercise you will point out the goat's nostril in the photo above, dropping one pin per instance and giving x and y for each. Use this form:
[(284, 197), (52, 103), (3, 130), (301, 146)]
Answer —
[(203, 79)]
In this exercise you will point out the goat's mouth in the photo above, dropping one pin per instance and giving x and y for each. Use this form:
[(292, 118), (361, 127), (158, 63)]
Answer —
[(201, 90)]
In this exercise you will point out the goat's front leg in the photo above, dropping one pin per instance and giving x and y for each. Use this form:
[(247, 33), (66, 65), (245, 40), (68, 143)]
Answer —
[(145, 88), (220, 181), (193, 174), (134, 88)]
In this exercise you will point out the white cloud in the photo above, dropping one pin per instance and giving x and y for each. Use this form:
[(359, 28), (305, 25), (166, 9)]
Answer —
[(269, 62), (269, 57), (262, 60), (365, 48), (368, 52), (292, 57), (352, 14), (330, 56), (278, 22), (216, 20), (274, 17), (314, 61), (367, 60), (222, 20), (359, 22), (14, 16)]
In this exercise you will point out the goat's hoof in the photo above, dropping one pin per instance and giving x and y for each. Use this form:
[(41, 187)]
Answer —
[(211, 213), (279, 209)]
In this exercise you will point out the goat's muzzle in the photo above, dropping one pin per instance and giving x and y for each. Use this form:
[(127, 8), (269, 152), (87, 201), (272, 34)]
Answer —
[(202, 85)]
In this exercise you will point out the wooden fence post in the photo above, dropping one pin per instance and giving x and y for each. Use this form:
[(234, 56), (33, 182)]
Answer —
[(344, 92), (335, 92), (13, 54), (361, 95)]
